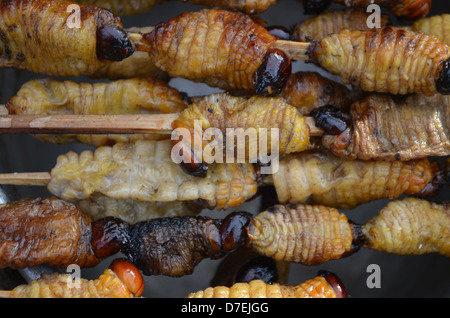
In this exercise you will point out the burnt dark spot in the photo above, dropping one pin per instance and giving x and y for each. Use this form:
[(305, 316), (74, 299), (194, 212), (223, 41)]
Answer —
[(261, 268), (233, 230), (331, 119), (273, 73), (108, 236), (113, 43), (211, 110), (443, 82), (315, 6), (20, 57)]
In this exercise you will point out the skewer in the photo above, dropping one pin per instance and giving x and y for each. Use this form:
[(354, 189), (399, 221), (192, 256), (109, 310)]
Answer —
[(100, 124), (26, 178), (296, 50), (6, 294)]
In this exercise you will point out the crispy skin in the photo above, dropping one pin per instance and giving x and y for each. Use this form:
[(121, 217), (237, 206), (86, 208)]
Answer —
[(130, 96), (410, 9), (246, 6), (385, 60), (123, 7), (437, 25), (130, 7), (309, 235), (331, 22), (310, 90), (222, 111), (218, 47), (172, 246), (388, 129), (317, 287), (410, 227), (29, 28), (55, 285), (57, 234), (342, 183), (145, 171)]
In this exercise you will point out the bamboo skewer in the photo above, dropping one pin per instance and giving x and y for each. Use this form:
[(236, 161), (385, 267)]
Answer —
[(6, 294), (100, 124), (296, 50)]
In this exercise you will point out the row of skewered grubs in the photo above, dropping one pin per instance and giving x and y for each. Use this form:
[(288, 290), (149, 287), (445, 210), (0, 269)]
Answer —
[(49, 230), (221, 48), (409, 9)]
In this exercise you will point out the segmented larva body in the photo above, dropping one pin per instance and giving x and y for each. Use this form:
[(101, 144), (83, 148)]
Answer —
[(410, 226), (344, 183), (332, 22), (317, 287), (129, 96), (247, 6), (438, 25), (123, 7), (220, 48), (30, 28), (382, 129), (145, 171), (222, 111), (410, 9), (303, 234), (45, 230), (386, 60), (108, 285), (310, 90)]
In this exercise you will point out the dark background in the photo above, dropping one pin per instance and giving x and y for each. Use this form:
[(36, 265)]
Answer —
[(401, 276)]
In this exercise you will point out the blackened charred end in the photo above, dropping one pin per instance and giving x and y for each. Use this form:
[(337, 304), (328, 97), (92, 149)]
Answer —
[(108, 236), (443, 82), (258, 268), (433, 188), (113, 43), (331, 119), (315, 6), (199, 170), (233, 230), (335, 283), (273, 73)]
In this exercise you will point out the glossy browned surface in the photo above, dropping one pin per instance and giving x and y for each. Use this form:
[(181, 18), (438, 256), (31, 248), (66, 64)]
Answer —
[(221, 48), (30, 28), (45, 230)]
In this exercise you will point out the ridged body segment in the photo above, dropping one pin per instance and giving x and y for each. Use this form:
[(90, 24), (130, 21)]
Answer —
[(144, 171), (410, 9), (123, 7), (218, 47), (385, 60), (44, 230), (344, 183), (388, 129), (108, 285), (332, 22), (30, 28), (410, 227), (255, 114), (129, 96), (304, 234), (317, 287), (437, 25)]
